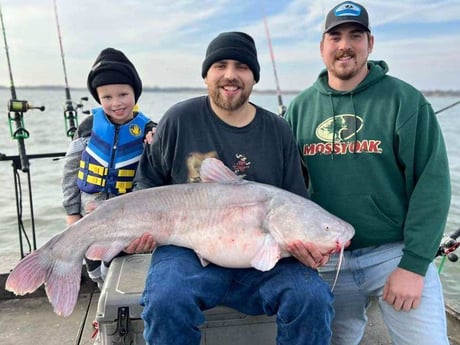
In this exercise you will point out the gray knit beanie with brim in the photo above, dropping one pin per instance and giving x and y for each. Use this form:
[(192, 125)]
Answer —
[(113, 67), (234, 46)]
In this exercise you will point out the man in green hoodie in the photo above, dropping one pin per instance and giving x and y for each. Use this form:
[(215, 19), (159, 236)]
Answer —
[(375, 157)]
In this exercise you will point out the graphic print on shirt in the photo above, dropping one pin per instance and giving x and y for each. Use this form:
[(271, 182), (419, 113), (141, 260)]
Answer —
[(194, 160), (338, 136), (241, 165)]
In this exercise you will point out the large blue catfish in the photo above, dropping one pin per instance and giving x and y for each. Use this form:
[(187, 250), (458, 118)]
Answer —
[(226, 220)]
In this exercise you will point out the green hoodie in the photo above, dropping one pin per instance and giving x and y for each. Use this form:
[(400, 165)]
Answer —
[(376, 158)]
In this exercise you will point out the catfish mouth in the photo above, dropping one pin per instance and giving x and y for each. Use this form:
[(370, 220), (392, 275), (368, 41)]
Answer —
[(339, 246), (343, 240)]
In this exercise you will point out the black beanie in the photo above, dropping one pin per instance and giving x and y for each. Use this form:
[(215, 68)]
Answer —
[(113, 67), (232, 45)]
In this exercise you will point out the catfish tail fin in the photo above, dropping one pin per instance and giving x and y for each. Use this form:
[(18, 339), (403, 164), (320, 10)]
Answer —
[(27, 276), (62, 279)]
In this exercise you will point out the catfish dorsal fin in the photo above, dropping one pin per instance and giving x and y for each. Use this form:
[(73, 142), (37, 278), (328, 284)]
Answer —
[(214, 170)]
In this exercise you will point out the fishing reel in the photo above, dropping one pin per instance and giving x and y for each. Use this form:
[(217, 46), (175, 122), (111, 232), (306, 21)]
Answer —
[(282, 110), (71, 106), (15, 105), (16, 108), (449, 245), (71, 115)]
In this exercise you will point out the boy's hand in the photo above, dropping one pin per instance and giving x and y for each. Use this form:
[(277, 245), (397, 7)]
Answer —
[(149, 136)]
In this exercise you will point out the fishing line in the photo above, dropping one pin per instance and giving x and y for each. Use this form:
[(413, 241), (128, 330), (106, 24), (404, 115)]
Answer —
[(70, 109), (19, 210), (67, 90), (21, 133), (13, 91), (281, 106), (17, 107), (16, 110)]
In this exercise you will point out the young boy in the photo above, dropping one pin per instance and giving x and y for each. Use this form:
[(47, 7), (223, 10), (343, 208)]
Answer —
[(102, 158)]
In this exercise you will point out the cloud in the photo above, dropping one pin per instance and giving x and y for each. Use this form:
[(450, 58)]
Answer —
[(167, 40)]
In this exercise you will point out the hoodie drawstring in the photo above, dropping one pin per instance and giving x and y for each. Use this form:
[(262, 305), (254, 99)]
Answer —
[(355, 124), (333, 126)]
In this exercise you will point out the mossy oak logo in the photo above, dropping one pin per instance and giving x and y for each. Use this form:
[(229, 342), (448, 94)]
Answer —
[(339, 128), (339, 136), (135, 130)]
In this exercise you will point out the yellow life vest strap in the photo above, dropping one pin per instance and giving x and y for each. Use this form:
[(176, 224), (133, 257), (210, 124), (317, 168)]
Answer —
[(102, 171), (98, 181), (126, 172), (96, 169), (122, 187)]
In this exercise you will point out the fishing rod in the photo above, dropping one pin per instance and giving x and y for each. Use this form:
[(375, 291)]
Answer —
[(281, 106), (448, 107), (449, 244), (16, 110), (70, 108)]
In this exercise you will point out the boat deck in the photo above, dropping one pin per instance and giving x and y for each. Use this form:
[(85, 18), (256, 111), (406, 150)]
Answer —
[(31, 321)]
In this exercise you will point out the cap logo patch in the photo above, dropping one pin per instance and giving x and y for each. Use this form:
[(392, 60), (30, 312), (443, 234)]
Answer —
[(348, 9)]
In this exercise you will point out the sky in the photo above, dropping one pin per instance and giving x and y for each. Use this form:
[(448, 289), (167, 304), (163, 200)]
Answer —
[(167, 39)]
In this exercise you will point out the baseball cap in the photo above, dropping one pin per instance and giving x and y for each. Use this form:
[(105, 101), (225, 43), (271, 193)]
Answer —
[(347, 12)]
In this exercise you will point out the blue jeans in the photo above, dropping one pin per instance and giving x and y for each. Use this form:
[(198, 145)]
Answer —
[(178, 288), (363, 274)]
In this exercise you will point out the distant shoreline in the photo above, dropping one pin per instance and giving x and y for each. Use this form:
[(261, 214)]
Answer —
[(428, 93)]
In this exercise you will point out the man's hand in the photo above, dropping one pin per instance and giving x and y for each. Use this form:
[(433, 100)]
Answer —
[(308, 254), (403, 289), (143, 244)]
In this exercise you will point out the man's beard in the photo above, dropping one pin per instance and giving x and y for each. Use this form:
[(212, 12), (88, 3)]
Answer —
[(345, 74), (349, 73), (231, 103)]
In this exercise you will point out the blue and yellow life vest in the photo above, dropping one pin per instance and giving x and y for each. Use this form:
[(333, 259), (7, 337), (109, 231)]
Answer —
[(109, 161)]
